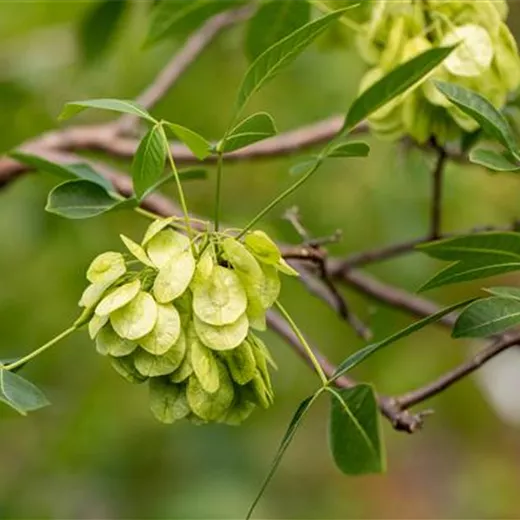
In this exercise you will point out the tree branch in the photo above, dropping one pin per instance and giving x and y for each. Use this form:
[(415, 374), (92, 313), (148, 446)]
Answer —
[(178, 65), (438, 178)]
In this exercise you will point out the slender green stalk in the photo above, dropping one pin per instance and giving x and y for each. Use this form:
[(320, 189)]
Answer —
[(182, 199), (220, 163), (43, 348), (304, 343), (280, 197), (345, 20)]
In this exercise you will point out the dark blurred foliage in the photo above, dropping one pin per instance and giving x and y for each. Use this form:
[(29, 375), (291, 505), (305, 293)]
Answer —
[(97, 452)]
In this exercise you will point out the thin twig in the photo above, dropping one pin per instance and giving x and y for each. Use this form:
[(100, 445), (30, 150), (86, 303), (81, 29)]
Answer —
[(436, 204), (180, 62)]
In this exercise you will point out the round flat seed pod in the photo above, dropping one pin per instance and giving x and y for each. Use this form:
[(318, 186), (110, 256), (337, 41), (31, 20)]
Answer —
[(152, 366), (205, 366), (137, 251), (474, 53), (285, 268), (136, 319), (257, 344), (108, 342), (211, 407), (118, 298), (95, 325), (260, 391), (92, 295), (222, 338), (183, 372), (262, 247), (242, 260), (124, 366), (156, 227), (166, 331), (166, 245), (168, 402), (271, 288), (106, 268), (240, 410), (174, 277), (204, 267), (241, 363), (222, 299)]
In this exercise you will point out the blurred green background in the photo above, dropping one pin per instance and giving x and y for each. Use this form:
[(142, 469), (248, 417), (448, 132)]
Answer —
[(97, 452)]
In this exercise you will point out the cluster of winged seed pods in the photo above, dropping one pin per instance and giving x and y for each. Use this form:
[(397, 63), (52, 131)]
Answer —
[(180, 314), (485, 61)]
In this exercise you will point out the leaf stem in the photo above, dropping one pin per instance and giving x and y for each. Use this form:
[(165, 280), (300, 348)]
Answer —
[(42, 349), (182, 199), (220, 163), (304, 343), (280, 197)]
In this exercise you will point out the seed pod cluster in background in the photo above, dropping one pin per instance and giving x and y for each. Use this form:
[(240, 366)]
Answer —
[(180, 315), (485, 61)]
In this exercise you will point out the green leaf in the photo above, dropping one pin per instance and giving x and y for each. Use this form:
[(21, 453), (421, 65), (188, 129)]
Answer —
[(395, 83), (303, 167), (492, 160), (124, 106), (252, 129), (354, 431), (80, 199), (20, 394), (351, 149), (504, 292), (281, 54), (273, 21), (493, 123), (98, 28), (148, 163), (486, 317), (465, 271), (182, 16), (64, 171), (355, 359), (296, 420), (489, 245), (195, 142)]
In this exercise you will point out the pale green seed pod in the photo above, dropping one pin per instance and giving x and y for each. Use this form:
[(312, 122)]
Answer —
[(205, 365), (124, 366), (225, 337), (241, 363), (109, 343), (165, 333), (153, 366), (136, 319), (168, 402), (106, 268)]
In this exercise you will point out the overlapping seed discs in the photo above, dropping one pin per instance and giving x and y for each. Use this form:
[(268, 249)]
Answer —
[(181, 316)]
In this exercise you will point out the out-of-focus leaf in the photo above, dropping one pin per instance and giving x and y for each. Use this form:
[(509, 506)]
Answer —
[(64, 171), (486, 317), (351, 149), (124, 106), (492, 160), (354, 431), (273, 21), (148, 163), (80, 199), (254, 128), (20, 394), (491, 120), (188, 174), (504, 292), (98, 28), (394, 84)]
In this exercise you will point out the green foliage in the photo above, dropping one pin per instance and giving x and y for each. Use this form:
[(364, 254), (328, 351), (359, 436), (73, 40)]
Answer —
[(353, 360), (351, 149), (354, 431), (149, 160), (274, 20), (19, 393), (98, 28), (251, 130), (80, 199), (395, 83), (491, 120), (196, 143), (123, 106), (487, 317), (498, 162), (268, 64)]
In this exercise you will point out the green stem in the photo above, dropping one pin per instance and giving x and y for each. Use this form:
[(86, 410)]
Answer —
[(345, 20), (280, 197), (304, 343), (43, 348), (182, 199), (220, 163)]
